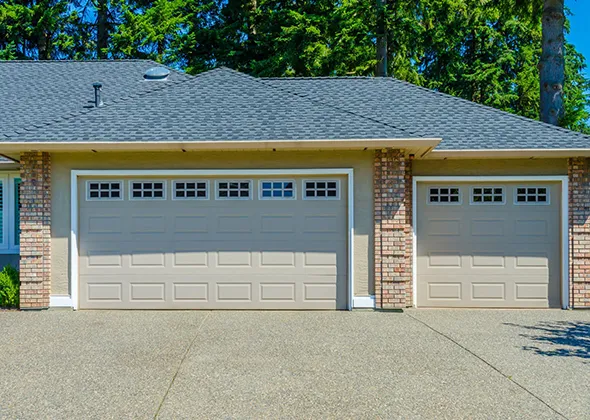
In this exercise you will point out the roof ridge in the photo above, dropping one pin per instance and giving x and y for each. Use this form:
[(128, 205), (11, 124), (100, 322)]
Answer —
[(157, 87), (489, 108), (92, 60), (317, 77), (316, 101)]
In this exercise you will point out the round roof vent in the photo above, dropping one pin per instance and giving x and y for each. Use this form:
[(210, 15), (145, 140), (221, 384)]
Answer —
[(156, 73)]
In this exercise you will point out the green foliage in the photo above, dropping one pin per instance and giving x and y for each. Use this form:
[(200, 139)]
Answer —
[(9, 287), (486, 51)]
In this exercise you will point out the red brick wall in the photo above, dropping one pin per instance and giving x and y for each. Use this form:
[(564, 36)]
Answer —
[(393, 229), (35, 225), (579, 235)]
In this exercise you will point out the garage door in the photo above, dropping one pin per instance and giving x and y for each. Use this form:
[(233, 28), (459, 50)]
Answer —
[(213, 243), (488, 245)]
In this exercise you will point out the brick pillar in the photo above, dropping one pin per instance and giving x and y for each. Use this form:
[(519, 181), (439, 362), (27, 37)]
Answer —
[(35, 225), (579, 232), (393, 229)]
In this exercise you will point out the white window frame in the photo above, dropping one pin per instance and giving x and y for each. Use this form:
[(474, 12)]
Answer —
[(533, 203), (164, 185), (292, 181), (111, 181), (207, 189), (487, 203), (9, 228), (304, 189), (447, 203), (250, 189)]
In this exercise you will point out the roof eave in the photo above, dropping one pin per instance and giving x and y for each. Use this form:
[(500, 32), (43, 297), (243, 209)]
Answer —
[(508, 153), (417, 146)]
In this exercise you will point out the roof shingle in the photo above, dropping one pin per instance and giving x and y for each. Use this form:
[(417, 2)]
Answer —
[(51, 101)]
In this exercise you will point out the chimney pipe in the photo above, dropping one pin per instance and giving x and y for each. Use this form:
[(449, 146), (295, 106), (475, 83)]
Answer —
[(97, 96)]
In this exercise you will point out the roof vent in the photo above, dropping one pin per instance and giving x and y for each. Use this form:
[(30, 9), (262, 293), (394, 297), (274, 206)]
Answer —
[(156, 73), (97, 94)]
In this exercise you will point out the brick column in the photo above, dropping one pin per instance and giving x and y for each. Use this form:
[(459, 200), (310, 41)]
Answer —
[(579, 232), (35, 225), (393, 229)]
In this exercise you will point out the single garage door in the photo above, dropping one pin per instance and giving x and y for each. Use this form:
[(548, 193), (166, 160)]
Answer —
[(213, 243), (488, 245)]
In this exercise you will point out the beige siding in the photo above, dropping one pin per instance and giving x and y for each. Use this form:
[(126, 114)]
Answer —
[(360, 161), (497, 167)]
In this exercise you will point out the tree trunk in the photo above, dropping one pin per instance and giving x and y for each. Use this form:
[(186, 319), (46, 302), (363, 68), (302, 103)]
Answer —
[(102, 32), (44, 52), (381, 70), (552, 64)]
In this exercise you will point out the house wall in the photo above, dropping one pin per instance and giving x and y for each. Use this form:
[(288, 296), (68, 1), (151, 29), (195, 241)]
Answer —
[(360, 161), (490, 167)]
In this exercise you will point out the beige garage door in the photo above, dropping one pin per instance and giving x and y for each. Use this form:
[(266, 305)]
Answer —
[(213, 243), (488, 245)]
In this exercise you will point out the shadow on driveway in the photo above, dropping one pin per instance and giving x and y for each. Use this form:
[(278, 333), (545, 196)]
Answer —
[(557, 338)]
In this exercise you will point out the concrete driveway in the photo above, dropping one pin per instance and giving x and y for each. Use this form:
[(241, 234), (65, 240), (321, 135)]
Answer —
[(416, 364)]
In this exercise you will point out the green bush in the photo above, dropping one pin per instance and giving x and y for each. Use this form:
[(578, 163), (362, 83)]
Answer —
[(9, 287)]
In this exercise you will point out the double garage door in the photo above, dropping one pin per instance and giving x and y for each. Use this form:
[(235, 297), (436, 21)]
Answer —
[(239, 243), (488, 245)]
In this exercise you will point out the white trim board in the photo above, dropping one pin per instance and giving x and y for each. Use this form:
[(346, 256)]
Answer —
[(60, 301), (74, 174), (363, 302), (563, 180)]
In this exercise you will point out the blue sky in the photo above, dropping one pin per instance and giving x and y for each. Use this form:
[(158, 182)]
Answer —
[(579, 27)]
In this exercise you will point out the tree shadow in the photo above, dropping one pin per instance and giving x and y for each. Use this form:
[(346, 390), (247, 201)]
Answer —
[(558, 338)]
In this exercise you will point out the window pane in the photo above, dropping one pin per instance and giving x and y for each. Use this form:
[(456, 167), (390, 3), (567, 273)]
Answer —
[(17, 183)]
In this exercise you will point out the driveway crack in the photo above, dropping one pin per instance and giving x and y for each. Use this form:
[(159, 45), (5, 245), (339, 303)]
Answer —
[(188, 349), (489, 364)]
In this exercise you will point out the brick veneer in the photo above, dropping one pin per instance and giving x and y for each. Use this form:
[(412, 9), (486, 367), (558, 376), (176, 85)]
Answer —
[(35, 225), (579, 232), (393, 229)]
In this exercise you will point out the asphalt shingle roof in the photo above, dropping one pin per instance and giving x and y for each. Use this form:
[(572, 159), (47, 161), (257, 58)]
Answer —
[(35, 93), (51, 101), (219, 105), (463, 125)]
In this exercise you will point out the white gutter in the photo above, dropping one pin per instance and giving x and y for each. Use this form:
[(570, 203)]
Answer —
[(507, 153), (421, 144)]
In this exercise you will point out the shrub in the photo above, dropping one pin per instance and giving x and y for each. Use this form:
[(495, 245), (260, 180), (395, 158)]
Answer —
[(9, 287)]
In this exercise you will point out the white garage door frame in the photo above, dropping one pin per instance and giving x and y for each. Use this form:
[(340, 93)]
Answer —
[(73, 301), (563, 180)]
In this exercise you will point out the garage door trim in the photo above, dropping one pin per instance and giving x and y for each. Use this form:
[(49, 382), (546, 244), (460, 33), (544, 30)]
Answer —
[(74, 219), (563, 180)]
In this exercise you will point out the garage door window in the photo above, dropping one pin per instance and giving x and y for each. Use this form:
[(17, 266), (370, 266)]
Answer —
[(191, 190), (234, 190), (322, 190), (531, 195), (147, 190), (277, 190), (487, 195), (444, 195), (104, 190)]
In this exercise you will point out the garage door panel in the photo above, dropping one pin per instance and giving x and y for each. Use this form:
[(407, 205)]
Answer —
[(488, 255), (213, 254)]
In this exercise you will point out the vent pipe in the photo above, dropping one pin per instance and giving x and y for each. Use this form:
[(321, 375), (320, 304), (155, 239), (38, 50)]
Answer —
[(97, 96)]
